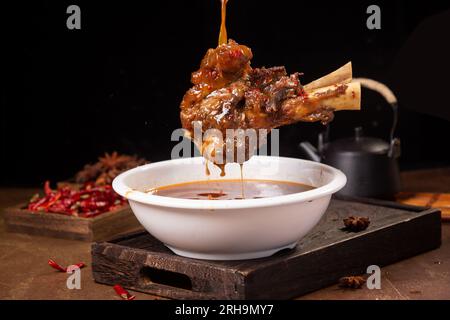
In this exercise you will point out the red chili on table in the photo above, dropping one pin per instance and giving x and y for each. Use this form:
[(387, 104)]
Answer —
[(124, 294), (89, 201), (58, 267)]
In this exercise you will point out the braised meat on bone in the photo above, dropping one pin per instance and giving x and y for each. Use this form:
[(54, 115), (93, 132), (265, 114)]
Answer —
[(229, 94)]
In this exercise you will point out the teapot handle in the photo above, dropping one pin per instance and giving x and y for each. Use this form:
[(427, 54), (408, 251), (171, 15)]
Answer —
[(386, 93)]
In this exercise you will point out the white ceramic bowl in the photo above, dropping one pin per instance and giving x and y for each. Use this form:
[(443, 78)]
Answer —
[(230, 229)]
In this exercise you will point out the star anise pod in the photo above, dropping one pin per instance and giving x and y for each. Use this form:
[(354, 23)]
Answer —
[(107, 168), (352, 282), (90, 172), (356, 224), (113, 160)]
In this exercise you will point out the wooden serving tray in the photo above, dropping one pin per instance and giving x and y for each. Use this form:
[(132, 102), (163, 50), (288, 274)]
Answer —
[(140, 262), (101, 227)]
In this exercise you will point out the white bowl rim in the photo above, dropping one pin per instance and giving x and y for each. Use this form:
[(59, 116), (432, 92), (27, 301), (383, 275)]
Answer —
[(338, 182)]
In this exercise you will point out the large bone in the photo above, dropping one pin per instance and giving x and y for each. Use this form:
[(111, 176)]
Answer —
[(341, 75), (335, 97), (349, 100)]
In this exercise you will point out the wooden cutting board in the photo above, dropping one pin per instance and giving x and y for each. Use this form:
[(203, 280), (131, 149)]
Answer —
[(439, 201), (140, 262)]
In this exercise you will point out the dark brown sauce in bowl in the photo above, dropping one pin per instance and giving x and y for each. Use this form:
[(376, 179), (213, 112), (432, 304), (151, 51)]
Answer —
[(230, 189)]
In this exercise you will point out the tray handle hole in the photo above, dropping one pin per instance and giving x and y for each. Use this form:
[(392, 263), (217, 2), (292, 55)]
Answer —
[(149, 275)]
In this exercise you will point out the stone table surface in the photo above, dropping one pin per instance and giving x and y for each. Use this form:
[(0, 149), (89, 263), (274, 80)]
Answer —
[(25, 274)]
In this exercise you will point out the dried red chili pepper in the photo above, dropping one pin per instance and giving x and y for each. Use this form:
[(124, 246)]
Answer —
[(36, 203), (89, 201), (48, 191), (58, 267), (124, 294)]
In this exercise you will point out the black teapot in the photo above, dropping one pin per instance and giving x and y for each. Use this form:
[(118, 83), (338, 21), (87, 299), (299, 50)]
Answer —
[(369, 163)]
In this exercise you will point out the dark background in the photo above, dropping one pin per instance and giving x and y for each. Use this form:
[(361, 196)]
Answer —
[(70, 95)]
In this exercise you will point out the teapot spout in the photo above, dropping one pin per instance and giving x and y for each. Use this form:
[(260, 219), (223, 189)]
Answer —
[(309, 151)]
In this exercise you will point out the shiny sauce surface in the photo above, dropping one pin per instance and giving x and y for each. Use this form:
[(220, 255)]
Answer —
[(230, 189)]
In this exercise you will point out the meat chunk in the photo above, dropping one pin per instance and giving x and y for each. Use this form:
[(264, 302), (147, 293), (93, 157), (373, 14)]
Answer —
[(229, 94)]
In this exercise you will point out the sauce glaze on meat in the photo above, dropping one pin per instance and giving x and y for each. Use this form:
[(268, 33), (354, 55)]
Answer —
[(228, 93)]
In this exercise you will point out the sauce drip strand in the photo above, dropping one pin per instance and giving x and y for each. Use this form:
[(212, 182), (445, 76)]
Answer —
[(223, 29), (231, 189), (223, 39), (242, 180)]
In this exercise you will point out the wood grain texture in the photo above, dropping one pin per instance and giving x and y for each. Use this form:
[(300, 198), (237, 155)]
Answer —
[(140, 262), (440, 201), (106, 225)]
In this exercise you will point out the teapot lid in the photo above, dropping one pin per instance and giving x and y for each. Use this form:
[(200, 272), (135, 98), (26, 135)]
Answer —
[(359, 144)]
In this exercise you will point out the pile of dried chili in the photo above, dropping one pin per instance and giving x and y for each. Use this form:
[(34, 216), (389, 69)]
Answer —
[(88, 201)]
